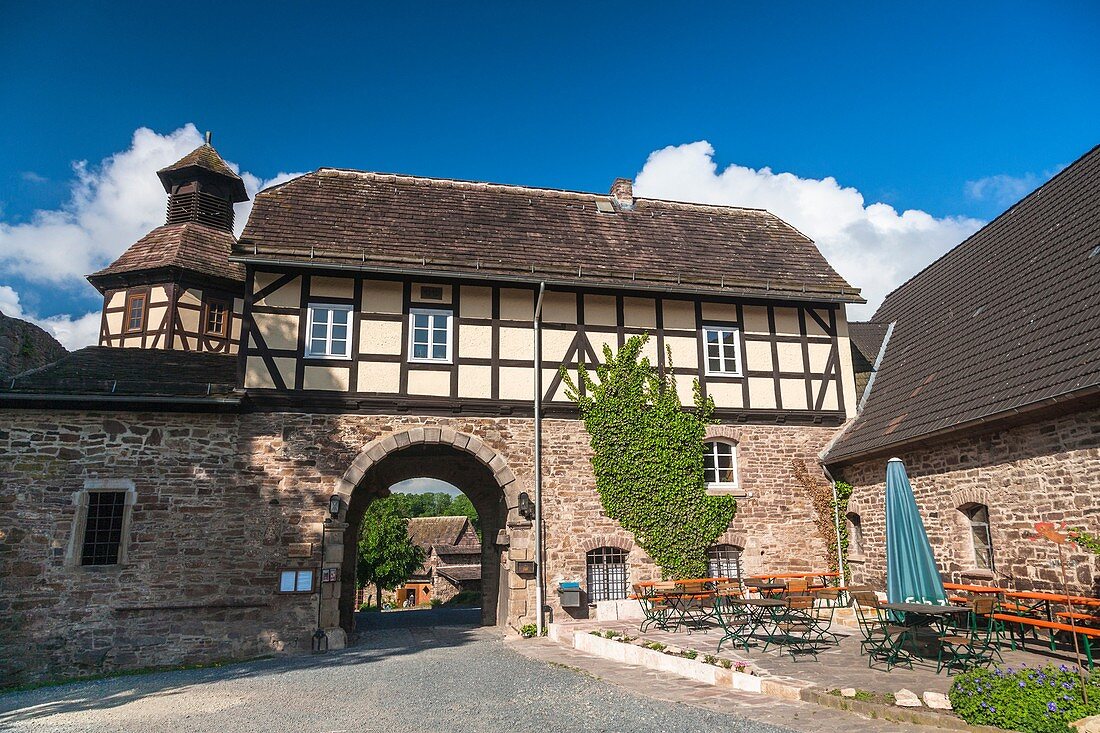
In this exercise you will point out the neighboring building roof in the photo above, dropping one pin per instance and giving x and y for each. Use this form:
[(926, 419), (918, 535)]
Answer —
[(459, 573), (190, 247), (428, 531), (866, 341), (205, 158), (375, 221), (105, 371), (457, 549), (1009, 319)]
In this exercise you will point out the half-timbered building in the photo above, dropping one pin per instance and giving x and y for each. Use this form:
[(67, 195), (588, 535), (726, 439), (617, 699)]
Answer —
[(193, 486)]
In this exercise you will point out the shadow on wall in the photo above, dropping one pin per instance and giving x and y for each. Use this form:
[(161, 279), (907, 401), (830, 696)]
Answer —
[(33, 705)]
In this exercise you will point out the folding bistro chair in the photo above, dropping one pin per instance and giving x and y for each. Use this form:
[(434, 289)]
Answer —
[(881, 638), (977, 646), (736, 619), (795, 628), (827, 599)]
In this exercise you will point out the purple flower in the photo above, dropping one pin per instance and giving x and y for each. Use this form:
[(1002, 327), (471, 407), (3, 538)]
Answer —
[(1023, 684), (1052, 707)]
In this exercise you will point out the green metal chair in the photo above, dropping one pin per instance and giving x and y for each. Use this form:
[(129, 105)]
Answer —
[(977, 646), (882, 639), (735, 619), (795, 627)]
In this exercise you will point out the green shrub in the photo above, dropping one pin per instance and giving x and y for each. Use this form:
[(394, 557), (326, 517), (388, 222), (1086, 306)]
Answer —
[(690, 654), (1036, 700), (656, 646), (528, 631), (436, 602), (726, 664)]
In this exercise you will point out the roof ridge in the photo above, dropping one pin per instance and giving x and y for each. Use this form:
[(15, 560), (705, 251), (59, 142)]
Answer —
[(516, 188)]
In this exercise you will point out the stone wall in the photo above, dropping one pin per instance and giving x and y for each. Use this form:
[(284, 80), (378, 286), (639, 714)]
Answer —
[(1047, 471), (226, 502)]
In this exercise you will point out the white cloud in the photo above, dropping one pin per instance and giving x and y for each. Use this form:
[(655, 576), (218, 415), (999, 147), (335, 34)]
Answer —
[(872, 246), (1005, 190), (111, 206), (72, 332)]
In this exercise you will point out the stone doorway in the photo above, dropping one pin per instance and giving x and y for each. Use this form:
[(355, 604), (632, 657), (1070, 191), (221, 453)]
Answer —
[(461, 460)]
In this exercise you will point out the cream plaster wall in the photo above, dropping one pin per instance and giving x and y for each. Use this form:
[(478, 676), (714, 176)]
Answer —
[(379, 377), (599, 310), (559, 307), (382, 296), (762, 393), (719, 312), (379, 337), (679, 314), (288, 296), (756, 319), (331, 287), (277, 331), (429, 382), (640, 313), (516, 305), (516, 383), (334, 378), (475, 381), (517, 343), (475, 302), (476, 342)]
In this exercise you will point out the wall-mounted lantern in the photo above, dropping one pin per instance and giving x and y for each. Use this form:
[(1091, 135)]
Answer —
[(335, 503), (526, 506)]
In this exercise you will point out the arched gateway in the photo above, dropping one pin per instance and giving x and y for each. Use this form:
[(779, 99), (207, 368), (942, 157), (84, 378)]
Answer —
[(428, 452)]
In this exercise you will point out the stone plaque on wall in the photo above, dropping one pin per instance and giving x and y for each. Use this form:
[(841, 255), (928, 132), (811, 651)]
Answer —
[(300, 549)]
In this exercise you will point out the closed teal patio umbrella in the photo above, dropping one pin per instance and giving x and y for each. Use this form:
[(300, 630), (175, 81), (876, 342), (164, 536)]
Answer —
[(911, 572)]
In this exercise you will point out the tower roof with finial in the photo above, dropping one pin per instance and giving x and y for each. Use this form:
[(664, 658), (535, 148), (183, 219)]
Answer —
[(203, 161)]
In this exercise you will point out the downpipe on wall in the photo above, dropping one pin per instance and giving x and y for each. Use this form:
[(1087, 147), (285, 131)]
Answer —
[(539, 578), (836, 523)]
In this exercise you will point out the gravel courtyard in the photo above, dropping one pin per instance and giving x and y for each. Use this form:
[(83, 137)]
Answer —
[(428, 679)]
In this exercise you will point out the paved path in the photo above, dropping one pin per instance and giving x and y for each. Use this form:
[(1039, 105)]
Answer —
[(430, 679)]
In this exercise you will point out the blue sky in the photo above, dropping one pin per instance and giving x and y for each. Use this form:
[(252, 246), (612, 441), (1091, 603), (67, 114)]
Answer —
[(949, 110)]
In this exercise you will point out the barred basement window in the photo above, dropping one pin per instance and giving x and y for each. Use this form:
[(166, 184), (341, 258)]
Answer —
[(101, 524), (103, 528), (722, 344), (606, 574), (724, 561)]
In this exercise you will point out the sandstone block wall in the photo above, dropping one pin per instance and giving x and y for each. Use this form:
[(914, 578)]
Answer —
[(1048, 471), (224, 503)]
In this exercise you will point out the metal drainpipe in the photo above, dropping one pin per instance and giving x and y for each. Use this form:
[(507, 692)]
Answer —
[(836, 523), (539, 579)]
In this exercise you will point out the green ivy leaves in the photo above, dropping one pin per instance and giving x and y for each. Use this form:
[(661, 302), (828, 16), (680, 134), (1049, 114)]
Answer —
[(648, 458)]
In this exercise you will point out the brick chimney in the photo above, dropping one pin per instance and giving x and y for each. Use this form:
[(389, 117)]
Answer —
[(622, 190)]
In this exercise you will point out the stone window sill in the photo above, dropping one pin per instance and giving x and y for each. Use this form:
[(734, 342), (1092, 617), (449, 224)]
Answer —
[(977, 574), (857, 559), (735, 493)]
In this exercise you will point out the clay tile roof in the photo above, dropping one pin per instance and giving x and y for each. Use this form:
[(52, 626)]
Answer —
[(99, 370), (428, 531), (410, 224), (189, 246), (204, 157), (457, 549), (459, 573), (1009, 319)]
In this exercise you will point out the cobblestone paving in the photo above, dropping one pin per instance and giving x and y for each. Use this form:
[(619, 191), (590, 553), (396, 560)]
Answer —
[(427, 679)]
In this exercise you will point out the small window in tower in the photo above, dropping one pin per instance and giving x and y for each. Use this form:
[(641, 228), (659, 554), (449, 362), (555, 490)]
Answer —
[(135, 312), (216, 322)]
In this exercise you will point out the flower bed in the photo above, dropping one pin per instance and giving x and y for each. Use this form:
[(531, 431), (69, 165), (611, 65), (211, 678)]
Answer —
[(1032, 699)]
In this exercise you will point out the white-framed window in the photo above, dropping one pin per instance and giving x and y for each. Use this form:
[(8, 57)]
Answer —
[(721, 350), (329, 331), (296, 581), (430, 335), (720, 464)]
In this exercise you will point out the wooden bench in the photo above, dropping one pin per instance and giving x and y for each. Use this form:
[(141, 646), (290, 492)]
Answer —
[(1089, 618), (1084, 632)]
